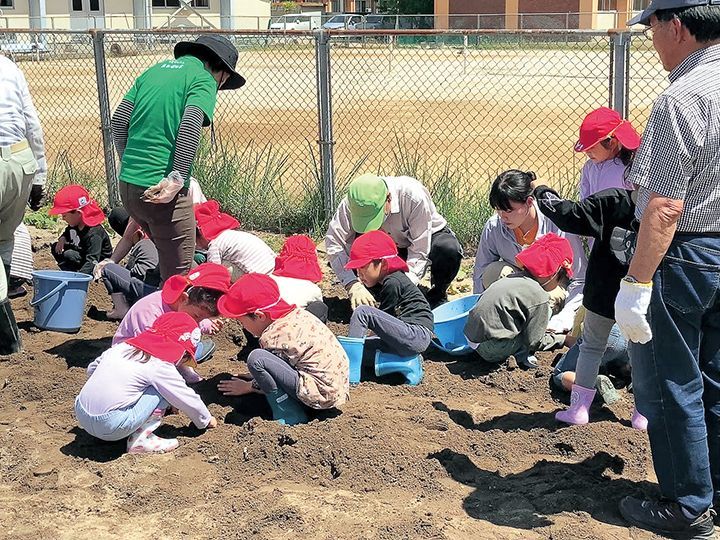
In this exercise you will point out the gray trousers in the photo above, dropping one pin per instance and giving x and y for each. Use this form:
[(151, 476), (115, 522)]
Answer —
[(272, 372), (596, 331), (171, 226), (400, 337), (17, 170)]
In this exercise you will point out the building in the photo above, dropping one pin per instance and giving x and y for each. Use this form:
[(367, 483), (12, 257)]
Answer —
[(532, 14), (135, 14)]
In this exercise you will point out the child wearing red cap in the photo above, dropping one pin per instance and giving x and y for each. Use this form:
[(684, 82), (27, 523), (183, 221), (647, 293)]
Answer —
[(195, 293), (131, 385), (511, 316), (403, 321), (297, 271), (84, 242), (241, 251), (609, 142), (300, 363)]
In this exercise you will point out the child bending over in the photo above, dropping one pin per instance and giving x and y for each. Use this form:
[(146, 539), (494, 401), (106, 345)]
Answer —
[(131, 385)]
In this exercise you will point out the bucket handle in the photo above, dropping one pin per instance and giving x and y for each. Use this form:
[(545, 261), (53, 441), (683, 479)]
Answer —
[(35, 301)]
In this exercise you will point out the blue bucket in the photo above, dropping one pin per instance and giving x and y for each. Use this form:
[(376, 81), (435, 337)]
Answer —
[(59, 300), (408, 366), (450, 322), (354, 350)]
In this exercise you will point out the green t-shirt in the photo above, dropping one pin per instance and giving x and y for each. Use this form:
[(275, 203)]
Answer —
[(160, 96)]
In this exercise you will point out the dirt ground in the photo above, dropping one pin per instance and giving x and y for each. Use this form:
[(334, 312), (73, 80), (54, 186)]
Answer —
[(471, 453)]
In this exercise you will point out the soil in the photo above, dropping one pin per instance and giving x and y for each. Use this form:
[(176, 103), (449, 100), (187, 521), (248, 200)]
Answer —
[(472, 452)]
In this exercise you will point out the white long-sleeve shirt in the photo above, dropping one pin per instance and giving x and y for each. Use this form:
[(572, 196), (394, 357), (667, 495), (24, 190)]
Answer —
[(18, 118), (412, 221), (242, 251)]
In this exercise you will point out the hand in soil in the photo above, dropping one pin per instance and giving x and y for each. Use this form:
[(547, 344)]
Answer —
[(212, 423), (236, 387)]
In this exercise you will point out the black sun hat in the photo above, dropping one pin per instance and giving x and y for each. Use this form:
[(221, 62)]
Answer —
[(220, 47)]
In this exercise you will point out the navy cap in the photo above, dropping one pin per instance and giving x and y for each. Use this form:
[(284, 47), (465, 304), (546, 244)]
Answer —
[(657, 5)]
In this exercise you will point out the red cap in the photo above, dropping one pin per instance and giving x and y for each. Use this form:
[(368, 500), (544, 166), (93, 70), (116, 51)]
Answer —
[(171, 336), (211, 221), (546, 256), (253, 293), (375, 245), (208, 275), (74, 197), (298, 259), (603, 123)]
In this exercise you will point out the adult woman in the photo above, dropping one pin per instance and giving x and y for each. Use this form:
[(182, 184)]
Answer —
[(156, 130)]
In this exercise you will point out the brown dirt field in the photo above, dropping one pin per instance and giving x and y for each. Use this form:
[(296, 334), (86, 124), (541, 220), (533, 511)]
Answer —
[(471, 453)]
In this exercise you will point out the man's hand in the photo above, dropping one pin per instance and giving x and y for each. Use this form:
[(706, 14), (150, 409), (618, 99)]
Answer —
[(360, 296), (631, 306), (37, 194), (236, 387), (60, 245)]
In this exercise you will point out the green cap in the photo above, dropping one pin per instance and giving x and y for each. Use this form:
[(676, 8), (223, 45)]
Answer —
[(366, 196)]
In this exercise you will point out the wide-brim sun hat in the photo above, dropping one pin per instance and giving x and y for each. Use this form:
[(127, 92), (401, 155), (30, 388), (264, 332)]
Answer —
[(75, 197), (222, 48)]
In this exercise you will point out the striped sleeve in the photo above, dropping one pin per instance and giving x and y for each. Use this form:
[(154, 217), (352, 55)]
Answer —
[(188, 139), (120, 124)]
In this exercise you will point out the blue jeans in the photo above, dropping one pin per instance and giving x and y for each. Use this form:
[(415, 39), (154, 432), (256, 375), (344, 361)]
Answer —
[(120, 423), (616, 353), (118, 279), (676, 376)]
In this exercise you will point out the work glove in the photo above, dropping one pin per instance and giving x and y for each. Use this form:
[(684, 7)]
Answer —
[(557, 299), (165, 190), (37, 194), (360, 296), (631, 306), (97, 272)]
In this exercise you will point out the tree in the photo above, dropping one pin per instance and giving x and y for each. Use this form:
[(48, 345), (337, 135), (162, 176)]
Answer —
[(406, 7)]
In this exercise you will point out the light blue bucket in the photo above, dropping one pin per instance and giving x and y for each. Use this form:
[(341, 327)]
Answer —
[(450, 319), (354, 350), (59, 300), (408, 366)]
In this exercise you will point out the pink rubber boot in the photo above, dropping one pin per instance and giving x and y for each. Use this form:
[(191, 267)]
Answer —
[(580, 400), (638, 421), (144, 441)]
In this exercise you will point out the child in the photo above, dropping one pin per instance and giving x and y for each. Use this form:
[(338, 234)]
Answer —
[(84, 243), (511, 316), (242, 251), (596, 216), (139, 277), (403, 322), (300, 363), (609, 142), (296, 273), (131, 385), (196, 294)]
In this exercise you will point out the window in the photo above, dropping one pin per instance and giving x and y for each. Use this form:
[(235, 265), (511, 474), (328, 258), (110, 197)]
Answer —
[(6, 3), (639, 5), (607, 5), (77, 5), (94, 5), (176, 3)]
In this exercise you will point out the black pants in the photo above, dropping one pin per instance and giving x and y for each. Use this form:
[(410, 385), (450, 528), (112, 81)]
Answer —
[(69, 260), (445, 257)]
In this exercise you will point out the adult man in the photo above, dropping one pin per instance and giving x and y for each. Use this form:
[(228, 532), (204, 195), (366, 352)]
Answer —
[(22, 174), (402, 207), (669, 303)]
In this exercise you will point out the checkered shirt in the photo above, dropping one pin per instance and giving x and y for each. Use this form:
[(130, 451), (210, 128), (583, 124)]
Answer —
[(679, 156)]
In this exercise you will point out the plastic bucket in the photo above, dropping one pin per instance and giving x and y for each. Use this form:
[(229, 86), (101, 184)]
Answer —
[(408, 366), (354, 349), (59, 300), (450, 322)]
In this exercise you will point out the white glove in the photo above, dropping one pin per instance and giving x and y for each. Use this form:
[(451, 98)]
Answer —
[(631, 306), (165, 190), (97, 273), (412, 277), (360, 296)]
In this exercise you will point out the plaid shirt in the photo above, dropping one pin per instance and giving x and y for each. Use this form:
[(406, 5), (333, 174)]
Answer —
[(679, 157)]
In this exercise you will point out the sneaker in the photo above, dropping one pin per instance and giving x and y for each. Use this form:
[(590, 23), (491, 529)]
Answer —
[(606, 389), (667, 518)]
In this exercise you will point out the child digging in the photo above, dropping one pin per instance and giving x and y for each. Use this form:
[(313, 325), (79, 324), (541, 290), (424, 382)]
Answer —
[(403, 321), (84, 242), (511, 316), (300, 363), (131, 385)]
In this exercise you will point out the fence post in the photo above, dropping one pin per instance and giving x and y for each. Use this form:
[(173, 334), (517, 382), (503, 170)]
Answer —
[(619, 66), (98, 38), (325, 140)]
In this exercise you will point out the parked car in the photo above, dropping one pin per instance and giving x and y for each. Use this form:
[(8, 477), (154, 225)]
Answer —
[(342, 22), (376, 22), (298, 21)]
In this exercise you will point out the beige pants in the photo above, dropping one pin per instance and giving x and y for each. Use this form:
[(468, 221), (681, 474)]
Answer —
[(500, 269), (17, 170)]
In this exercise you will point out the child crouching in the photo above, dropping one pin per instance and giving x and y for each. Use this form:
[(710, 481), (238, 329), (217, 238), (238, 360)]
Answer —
[(131, 385), (403, 321), (300, 363)]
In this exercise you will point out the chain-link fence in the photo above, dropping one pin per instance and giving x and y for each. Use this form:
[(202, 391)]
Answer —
[(452, 109)]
